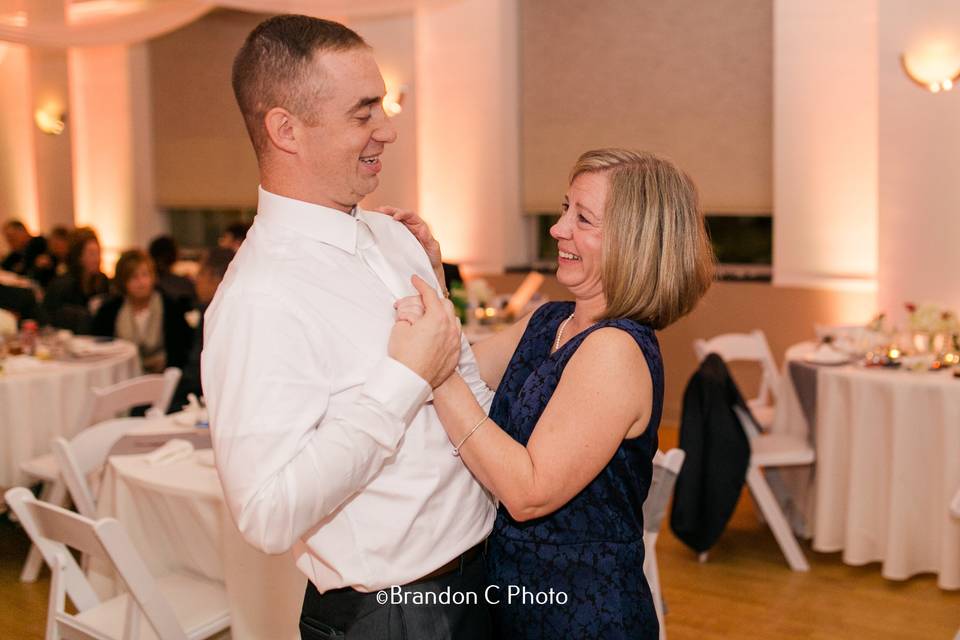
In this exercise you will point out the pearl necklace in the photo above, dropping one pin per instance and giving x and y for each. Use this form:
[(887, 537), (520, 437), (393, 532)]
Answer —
[(563, 325)]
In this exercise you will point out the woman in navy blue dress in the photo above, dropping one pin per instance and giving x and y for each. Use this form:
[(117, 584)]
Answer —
[(569, 442)]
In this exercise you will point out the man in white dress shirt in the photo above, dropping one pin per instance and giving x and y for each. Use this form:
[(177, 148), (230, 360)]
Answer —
[(324, 437)]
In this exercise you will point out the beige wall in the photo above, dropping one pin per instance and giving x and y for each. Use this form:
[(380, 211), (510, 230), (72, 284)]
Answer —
[(202, 156), (687, 78), (201, 151), (786, 315)]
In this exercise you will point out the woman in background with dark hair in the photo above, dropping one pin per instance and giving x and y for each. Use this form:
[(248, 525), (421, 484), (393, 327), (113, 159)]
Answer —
[(70, 299), (144, 316)]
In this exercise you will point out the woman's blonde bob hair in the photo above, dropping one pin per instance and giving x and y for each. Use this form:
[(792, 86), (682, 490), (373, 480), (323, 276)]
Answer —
[(657, 261)]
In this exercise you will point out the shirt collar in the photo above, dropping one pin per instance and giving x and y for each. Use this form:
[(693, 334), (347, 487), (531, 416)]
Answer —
[(314, 221)]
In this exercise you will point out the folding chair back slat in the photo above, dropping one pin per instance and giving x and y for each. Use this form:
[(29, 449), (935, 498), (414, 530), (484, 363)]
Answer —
[(745, 347), (155, 390), (85, 454)]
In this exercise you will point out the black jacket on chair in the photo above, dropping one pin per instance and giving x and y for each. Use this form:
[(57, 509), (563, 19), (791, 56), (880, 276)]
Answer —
[(717, 456)]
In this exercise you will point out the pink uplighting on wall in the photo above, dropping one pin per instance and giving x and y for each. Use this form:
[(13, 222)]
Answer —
[(102, 131), (18, 166)]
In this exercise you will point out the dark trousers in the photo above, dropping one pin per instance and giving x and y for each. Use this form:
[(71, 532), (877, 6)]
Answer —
[(451, 607)]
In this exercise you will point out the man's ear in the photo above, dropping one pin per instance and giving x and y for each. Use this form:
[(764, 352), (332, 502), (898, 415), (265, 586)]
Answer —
[(282, 126)]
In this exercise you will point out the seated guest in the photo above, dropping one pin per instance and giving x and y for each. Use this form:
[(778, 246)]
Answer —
[(212, 269), (53, 263), (234, 235), (164, 251), (20, 301), (70, 299), (144, 316), (24, 249)]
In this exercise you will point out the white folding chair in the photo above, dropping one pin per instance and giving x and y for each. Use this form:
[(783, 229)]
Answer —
[(749, 347), (177, 606), (154, 389), (666, 467), (771, 450), (85, 454)]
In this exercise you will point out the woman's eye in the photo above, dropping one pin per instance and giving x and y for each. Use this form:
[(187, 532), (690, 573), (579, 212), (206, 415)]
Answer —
[(581, 218), (564, 207)]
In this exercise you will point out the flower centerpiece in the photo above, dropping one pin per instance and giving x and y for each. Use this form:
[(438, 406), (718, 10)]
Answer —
[(933, 328)]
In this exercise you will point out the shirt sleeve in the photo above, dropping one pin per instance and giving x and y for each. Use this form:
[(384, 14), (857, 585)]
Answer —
[(286, 459), (470, 372)]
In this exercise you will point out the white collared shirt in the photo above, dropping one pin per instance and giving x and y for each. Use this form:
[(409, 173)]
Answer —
[(323, 443)]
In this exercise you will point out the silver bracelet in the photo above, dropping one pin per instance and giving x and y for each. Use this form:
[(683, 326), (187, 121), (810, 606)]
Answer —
[(456, 449)]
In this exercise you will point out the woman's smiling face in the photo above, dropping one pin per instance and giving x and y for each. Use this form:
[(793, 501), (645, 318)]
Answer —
[(579, 235)]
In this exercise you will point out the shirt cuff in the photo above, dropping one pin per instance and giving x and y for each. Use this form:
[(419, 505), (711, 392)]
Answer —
[(398, 389)]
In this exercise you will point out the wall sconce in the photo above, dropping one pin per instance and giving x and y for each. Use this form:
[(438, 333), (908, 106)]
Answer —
[(935, 67), (50, 119), (393, 101)]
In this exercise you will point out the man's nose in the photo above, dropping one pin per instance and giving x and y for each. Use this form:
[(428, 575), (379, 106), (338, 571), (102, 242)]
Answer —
[(386, 133)]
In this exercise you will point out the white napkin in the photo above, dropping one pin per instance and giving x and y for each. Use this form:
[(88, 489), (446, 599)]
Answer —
[(173, 451), (192, 414), (84, 346), (827, 354)]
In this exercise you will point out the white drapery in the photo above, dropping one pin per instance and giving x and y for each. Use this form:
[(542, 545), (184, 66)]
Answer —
[(114, 22)]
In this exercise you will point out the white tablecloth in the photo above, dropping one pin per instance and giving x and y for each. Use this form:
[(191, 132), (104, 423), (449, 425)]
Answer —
[(888, 463), (39, 405), (176, 518)]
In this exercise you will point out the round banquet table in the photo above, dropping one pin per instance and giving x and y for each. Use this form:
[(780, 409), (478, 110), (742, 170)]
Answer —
[(888, 463), (176, 517), (46, 400)]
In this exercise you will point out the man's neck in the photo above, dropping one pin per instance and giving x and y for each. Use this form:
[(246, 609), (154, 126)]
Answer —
[(291, 189)]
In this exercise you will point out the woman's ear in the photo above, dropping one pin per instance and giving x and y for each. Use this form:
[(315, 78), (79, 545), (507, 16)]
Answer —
[(282, 126)]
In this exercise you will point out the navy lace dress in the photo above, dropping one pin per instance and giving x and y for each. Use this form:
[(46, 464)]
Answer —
[(591, 549)]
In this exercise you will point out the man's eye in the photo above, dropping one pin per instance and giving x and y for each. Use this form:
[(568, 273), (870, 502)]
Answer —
[(564, 207), (363, 118)]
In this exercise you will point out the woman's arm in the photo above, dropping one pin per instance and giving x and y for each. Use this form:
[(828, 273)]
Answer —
[(604, 395)]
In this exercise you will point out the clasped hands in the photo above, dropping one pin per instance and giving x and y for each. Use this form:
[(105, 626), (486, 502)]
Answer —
[(426, 336)]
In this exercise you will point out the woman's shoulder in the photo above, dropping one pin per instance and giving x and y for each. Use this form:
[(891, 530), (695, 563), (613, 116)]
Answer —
[(621, 341)]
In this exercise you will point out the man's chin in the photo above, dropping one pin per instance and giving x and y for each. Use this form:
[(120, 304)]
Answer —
[(367, 186)]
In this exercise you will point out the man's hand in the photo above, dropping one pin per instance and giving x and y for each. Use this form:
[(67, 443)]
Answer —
[(409, 309), (430, 347), (420, 230)]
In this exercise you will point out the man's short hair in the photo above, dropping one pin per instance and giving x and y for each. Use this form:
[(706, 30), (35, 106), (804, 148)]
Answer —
[(60, 231), (216, 261), (163, 250), (270, 69)]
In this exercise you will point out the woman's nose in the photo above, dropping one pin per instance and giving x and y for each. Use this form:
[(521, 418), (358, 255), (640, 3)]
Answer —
[(560, 230)]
